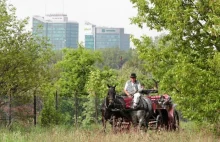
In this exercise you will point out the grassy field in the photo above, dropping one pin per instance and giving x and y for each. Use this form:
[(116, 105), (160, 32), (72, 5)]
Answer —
[(62, 134)]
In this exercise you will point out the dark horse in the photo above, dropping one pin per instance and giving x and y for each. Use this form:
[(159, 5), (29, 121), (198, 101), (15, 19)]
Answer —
[(110, 102), (113, 102)]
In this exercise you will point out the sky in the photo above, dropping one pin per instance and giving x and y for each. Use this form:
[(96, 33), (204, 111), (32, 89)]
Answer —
[(109, 13)]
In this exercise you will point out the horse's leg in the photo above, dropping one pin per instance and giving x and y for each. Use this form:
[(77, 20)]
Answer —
[(103, 121), (104, 125), (147, 118), (134, 120), (114, 125), (142, 118), (146, 123), (142, 124)]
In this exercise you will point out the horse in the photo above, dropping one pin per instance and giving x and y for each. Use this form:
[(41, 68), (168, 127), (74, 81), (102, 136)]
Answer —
[(110, 102), (138, 117)]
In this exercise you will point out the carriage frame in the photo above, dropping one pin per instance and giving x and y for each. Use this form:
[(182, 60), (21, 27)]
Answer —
[(164, 115)]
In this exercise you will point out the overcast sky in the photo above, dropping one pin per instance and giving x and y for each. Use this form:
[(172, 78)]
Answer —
[(110, 13)]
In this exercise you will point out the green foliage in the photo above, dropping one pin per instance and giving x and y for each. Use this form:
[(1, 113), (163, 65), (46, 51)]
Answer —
[(185, 61), (23, 57), (76, 66), (90, 111), (24, 63), (137, 66), (113, 58), (195, 23), (75, 70), (97, 88), (50, 116), (98, 80)]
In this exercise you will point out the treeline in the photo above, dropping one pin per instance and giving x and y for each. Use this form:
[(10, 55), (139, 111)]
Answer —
[(81, 83), (39, 85)]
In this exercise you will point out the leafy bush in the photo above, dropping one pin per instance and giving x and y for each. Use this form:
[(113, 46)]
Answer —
[(51, 116)]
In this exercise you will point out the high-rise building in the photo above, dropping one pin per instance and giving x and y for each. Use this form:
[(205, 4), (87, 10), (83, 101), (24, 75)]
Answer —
[(105, 37), (56, 27)]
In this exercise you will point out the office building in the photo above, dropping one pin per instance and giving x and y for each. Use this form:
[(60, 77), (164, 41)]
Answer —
[(105, 37), (58, 29)]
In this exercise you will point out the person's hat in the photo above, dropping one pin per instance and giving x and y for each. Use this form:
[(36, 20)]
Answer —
[(133, 75)]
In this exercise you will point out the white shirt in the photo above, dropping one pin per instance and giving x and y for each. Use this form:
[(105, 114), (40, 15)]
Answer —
[(133, 88)]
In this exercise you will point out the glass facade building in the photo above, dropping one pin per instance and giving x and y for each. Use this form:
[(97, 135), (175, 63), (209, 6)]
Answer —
[(56, 27), (104, 37), (89, 41)]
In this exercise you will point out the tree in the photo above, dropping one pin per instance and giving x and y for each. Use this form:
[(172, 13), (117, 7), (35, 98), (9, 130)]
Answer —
[(191, 23), (24, 58), (50, 115), (134, 64), (97, 88), (75, 69), (183, 60), (113, 57)]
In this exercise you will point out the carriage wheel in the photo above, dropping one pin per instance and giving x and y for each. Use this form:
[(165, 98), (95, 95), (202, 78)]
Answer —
[(114, 129), (116, 124), (125, 126), (119, 125), (176, 121)]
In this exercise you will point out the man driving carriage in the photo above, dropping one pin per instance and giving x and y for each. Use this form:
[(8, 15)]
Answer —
[(132, 89)]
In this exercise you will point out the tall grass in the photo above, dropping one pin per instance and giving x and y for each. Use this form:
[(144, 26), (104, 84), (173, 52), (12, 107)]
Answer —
[(188, 133)]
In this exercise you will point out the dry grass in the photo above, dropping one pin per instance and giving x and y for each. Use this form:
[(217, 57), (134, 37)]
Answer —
[(60, 134)]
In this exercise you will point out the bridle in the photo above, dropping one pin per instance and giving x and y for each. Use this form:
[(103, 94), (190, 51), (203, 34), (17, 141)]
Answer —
[(111, 96)]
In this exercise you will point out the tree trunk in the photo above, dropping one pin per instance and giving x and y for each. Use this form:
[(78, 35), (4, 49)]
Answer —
[(35, 110), (96, 109), (56, 100), (9, 113), (76, 110), (56, 104), (35, 107)]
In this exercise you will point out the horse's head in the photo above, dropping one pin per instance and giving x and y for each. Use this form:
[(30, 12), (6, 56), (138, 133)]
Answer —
[(111, 94)]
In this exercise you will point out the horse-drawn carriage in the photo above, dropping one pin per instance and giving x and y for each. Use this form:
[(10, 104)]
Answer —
[(157, 113), (164, 115)]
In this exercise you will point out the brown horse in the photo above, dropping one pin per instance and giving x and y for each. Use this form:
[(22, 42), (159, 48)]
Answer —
[(110, 103)]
